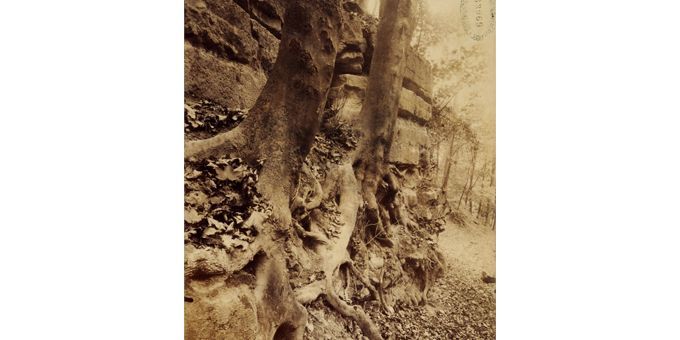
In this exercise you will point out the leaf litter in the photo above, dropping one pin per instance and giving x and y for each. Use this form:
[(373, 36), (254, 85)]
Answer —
[(220, 196)]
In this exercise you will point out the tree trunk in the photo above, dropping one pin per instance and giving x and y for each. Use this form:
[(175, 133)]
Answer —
[(382, 99), (469, 183), (449, 160), (281, 126), (492, 182)]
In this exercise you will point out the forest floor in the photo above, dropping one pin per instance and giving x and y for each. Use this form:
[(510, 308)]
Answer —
[(460, 304)]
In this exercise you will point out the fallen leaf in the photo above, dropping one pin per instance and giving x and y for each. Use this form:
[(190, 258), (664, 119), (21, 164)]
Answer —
[(220, 225), (193, 174), (227, 173), (191, 113), (209, 231), (217, 199), (192, 216), (234, 243), (196, 198)]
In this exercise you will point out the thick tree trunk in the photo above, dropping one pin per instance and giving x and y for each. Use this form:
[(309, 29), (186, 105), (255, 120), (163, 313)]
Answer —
[(281, 126), (280, 129), (381, 101)]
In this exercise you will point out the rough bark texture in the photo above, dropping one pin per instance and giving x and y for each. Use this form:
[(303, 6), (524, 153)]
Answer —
[(449, 161), (287, 113), (257, 302), (382, 99)]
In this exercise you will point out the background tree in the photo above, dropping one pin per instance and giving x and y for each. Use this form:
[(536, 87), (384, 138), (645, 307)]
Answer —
[(460, 127)]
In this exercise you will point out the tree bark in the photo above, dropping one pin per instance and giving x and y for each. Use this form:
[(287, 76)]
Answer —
[(379, 109), (281, 126), (449, 160), (469, 182)]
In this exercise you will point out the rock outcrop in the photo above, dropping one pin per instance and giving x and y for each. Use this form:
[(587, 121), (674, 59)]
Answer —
[(230, 47)]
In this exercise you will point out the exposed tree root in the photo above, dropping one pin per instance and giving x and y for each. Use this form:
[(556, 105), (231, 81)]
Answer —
[(324, 288), (396, 204), (368, 328), (307, 198), (342, 184), (368, 174), (375, 294), (309, 292), (311, 235), (224, 143)]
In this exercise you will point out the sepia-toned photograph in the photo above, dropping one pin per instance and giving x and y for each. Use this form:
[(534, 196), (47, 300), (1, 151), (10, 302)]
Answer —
[(339, 169)]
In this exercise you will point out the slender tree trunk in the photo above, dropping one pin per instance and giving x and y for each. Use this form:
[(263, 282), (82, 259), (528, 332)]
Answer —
[(493, 173), (462, 193), (468, 183), (382, 99), (449, 160), (281, 126)]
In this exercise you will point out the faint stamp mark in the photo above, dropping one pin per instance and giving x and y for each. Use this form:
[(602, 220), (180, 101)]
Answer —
[(478, 18)]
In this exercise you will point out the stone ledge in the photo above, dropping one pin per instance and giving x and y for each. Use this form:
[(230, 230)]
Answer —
[(414, 107), (268, 46), (418, 75), (223, 29), (269, 13), (409, 139), (225, 82), (347, 94)]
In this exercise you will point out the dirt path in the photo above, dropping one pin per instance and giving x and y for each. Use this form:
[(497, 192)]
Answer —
[(460, 305), (465, 305), (472, 248)]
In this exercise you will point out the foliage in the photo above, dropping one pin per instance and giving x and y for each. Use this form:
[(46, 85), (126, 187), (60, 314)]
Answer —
[(205, 118), (445, 125), (220, 197)]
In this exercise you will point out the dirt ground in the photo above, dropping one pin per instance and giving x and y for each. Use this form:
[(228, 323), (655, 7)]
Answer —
[(471, 248), (460, 305)]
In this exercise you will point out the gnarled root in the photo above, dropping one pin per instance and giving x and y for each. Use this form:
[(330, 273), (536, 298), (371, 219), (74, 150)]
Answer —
[(310, 292), (374, 292), (310, 235), (307, 198), (341, 184), (397, 206), (368, 328), (227, 142)]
